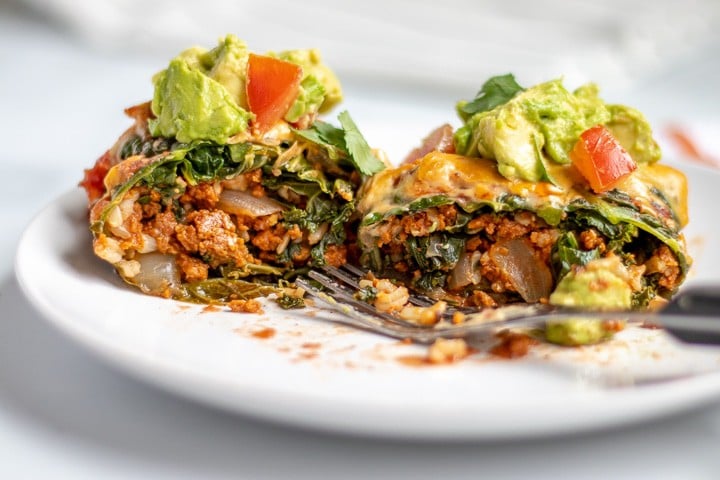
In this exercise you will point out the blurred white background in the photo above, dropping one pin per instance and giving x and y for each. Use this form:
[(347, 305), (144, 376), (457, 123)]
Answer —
[(78, 63), (616, 42)]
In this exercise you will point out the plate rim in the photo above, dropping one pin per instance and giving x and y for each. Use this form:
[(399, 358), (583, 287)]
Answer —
[(686, 393)]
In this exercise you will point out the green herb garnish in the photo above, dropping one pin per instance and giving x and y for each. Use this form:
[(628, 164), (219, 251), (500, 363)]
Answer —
[(494, 92), (346, 142)]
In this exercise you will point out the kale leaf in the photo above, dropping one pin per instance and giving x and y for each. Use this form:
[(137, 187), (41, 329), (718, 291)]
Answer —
[(288, 302), (567, 252), (438, 251)]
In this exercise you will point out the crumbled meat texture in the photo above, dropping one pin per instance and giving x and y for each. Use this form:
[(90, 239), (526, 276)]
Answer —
[(336, 255), (269, 240), (201, 196), (503, 227), (162, 229), (420, 223), (302, 254), (513, 344), (477, 243), (591, 239), (264, 222), (490, 227), (152, 207), (295, 233), (385, 238), (254, 186), (447, 215), (245, 306), (664, 263), (212, 234), (481, 299), (192, 269), (543, 242), (132, 222)]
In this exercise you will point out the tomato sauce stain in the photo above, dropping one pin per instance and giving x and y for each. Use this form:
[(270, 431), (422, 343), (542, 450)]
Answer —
[(264, 333)]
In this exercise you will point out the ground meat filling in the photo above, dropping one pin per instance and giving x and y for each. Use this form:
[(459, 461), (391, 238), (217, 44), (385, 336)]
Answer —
[(201, 236), (665, 264), (485, 234)]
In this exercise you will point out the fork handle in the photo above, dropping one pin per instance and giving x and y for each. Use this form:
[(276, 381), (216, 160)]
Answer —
[(694, 302)]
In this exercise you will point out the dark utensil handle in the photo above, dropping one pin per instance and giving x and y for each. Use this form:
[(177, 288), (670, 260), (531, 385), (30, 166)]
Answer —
[(695, 301)]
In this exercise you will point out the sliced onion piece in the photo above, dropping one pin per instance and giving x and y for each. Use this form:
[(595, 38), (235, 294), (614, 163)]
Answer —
[(462, 274), (159, 274), (530, 276), (440, 140), (466, 271), (318, 234), (243, 203)]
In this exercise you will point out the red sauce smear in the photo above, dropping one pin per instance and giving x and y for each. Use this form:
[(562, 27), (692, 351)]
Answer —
[(414, 361), (264, 333), (688, 147)]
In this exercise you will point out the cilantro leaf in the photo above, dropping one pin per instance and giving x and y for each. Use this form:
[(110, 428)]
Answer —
[(496, 91), (327, 136), (346, 142), (360, 153)]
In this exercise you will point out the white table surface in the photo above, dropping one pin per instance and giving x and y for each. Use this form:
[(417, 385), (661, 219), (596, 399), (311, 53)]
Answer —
[(66, 414)]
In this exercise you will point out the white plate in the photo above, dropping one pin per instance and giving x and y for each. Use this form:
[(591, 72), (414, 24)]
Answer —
[(315, 374)]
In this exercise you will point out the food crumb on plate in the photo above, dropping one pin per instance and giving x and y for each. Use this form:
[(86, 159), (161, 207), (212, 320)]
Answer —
[(513, 344), (448, 350), (246, 306)]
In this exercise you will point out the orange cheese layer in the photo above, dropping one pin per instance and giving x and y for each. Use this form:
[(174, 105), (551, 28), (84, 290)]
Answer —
[(470, 180)]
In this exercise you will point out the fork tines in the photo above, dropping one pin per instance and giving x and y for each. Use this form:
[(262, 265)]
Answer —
[(351, 275), (343, 284)]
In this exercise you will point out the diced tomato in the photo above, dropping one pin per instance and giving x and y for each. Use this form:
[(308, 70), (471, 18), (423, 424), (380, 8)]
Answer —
[(92, 182), (272, 87), (601, 159)]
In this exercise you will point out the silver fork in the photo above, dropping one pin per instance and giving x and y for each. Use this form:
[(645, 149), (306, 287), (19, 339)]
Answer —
[(692, 316)]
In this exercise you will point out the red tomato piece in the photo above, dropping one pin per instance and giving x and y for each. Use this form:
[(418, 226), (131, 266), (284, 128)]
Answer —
[(272, 86), (92, 182), (601, 159)]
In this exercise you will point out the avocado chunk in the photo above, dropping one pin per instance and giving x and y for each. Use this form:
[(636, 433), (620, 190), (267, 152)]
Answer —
[(601, 284), (202, 93), (634, 133), (320, 89), (189, 105), (528, 130), (576, 332), (539, 124)]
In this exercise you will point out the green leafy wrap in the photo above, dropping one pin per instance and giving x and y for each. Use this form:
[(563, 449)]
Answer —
[(502, 214), (195, 203), (452, 227)]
